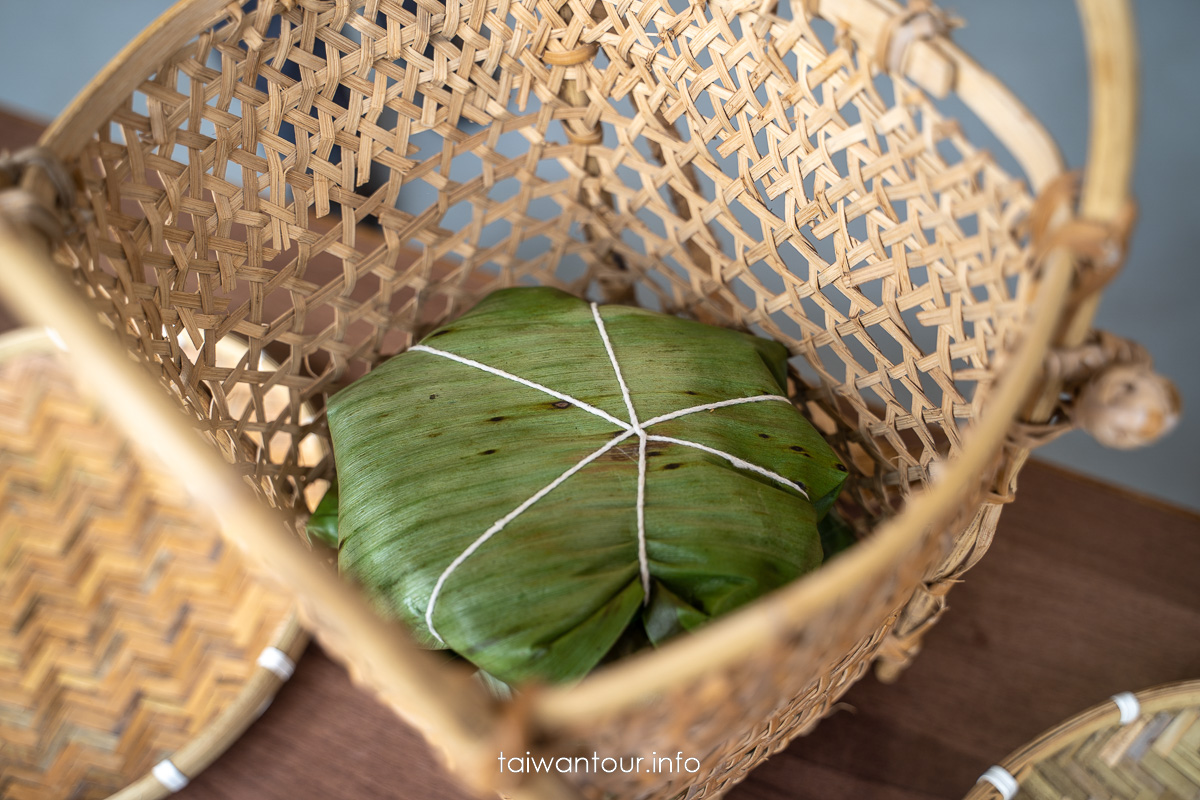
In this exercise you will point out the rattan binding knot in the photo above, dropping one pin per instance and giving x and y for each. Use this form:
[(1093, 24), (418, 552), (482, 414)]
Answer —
[(1076, 365), (919, 21), (1109, 389), (570, 58), (584, 137), (1099, 247), (52, 218)]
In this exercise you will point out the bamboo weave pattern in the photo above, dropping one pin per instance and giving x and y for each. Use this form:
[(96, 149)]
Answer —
[(836, 212), (1154, 757), (127, 623), (1157, 757)]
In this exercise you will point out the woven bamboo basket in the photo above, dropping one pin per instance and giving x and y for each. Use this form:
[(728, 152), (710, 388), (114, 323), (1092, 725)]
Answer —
[(331, 179), (1143, 746), (133, 635)]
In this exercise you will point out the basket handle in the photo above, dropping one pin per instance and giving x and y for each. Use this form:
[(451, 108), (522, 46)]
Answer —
[(1109, 379), (1109, 32), (1112, 390)]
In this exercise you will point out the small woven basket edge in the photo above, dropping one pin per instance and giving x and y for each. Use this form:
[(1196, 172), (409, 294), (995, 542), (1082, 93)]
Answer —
[(257, 692), (1106, 721)]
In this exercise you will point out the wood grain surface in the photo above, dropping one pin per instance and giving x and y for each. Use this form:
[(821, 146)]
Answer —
[(1088, 590)]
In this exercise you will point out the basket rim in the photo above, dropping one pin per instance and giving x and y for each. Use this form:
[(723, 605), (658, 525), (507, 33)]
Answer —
[(257, 691), (1001, 111), (1165, 697), (632, 681)]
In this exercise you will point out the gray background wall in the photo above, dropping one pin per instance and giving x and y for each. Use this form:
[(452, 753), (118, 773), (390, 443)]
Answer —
[(1035, 46)]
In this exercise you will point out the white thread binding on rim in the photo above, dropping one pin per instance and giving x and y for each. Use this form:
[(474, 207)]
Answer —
[(275, 660), (169, 776), (1003, 780), (1128, 705), (631, 428), (55, 338)]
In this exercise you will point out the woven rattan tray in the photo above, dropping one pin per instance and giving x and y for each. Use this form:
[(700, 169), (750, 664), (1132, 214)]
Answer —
[(131, 630), (1143, 746)]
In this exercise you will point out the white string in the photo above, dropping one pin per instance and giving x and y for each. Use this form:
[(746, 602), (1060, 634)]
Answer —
[(509, 376), (732, 459), (507, 518), (643, 561), (1128, 705), (633, 419), (1003, 780), (630, 428), (169, 776), (711, 406)]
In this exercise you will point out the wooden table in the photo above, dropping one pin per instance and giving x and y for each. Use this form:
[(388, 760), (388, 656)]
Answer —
[(1088, 590)]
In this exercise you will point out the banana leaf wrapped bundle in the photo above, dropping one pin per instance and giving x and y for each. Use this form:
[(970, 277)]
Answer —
[(543, 480)]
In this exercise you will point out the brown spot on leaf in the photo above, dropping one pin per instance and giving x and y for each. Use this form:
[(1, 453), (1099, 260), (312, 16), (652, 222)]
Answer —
[(433, 397), (496, 419), (561, 404), (764, 436), (487, 452), (673, 466), (840, 467)]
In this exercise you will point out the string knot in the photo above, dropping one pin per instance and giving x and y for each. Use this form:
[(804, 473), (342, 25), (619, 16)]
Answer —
[(633, 427)]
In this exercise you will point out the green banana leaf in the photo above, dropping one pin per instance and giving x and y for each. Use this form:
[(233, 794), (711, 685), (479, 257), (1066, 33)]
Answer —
[(434, 454), (322, 525)]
